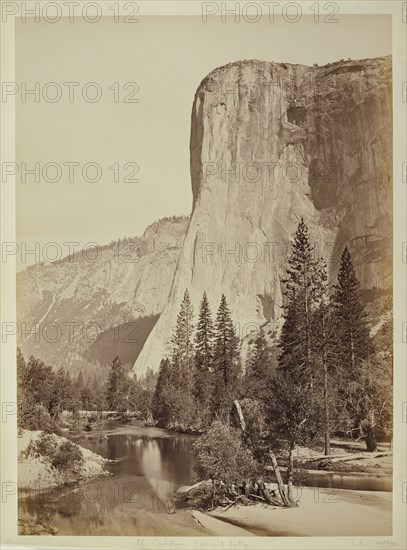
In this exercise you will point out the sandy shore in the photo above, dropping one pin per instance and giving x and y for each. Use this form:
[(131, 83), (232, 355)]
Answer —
[(321, 512)]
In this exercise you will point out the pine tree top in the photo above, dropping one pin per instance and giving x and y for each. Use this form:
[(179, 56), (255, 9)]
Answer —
[(116, 362), (347, 275), (301, 263)]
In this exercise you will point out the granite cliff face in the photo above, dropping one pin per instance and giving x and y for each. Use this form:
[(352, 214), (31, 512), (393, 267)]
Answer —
[(271, 143), (86, 308)]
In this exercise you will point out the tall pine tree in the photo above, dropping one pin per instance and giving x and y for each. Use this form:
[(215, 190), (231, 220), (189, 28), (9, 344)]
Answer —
[(178, 394), (116, 393), (226, 361), (296, 401), (203, 385), (159, 406), (323, 344), (295, 340), (354, 347), (354, 342), (182, 349), (259, 367)]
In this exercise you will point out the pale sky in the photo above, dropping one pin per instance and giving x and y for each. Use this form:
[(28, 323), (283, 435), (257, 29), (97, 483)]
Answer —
[(167, 58)]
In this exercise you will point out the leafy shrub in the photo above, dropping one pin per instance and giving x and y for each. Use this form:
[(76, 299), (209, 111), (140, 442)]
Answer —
[(257, 430), (44, 446), (220, 455), (36, 417), (67, 457), (63, 457)]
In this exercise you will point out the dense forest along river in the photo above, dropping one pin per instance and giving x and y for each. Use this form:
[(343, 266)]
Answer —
[(149, 464)]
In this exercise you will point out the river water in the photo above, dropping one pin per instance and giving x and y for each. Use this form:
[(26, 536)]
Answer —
[(147, 466)]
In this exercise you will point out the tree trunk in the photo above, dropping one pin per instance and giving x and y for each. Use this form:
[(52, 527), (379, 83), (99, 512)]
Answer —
[(352, 352), (240, 415), (371, 443), (281, 488), (276, 469), (327, 434), (307, 323), (326, 403), (290, 472), (368, 430)]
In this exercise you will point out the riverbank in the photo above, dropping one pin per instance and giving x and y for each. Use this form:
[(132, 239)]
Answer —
[(46, 461), (344, 458), (148, 466), (321, 512), (93, 422)]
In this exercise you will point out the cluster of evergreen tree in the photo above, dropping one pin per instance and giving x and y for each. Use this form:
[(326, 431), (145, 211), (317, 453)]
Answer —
[(44, 393), (200, 378), (327, 355), (124, 394), (328, 376)]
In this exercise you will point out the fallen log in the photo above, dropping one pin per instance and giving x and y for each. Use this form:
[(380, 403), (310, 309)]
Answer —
[(232, 503), (360, 456), (319, 457), (344, 457), (184, 489)]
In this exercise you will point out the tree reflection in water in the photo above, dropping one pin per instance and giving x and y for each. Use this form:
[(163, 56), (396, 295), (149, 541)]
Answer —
[(147, 470)]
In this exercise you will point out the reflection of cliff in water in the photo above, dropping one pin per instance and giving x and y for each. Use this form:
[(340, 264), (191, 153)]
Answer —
[(166, 463), (146, 470), (165, 458)]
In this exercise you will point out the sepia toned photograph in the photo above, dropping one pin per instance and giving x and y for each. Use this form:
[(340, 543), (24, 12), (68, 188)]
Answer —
[(204, 275)]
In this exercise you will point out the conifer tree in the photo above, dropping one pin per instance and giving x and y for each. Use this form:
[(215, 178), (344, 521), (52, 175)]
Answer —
[(296, 401), (294, 418), (23, 402), (354, 347), (182, 344), (58, 396), (295, 339), (117, 387), (354, 343), (80, 383), (99, 394), (204, 355), (178, 394), (323, 344), (226, 361), (259, 367), (159, 406), (39, 382)]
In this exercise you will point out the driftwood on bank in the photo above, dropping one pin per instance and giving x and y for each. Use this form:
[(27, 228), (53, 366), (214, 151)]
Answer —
[(360, 456), (345, 457)]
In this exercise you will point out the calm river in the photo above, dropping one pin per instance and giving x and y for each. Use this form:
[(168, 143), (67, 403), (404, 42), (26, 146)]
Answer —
[(137, 499)]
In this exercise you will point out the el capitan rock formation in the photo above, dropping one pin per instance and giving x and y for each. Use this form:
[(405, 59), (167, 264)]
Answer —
[(271, 143)]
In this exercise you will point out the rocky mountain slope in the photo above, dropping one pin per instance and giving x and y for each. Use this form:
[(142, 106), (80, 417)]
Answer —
[(271, 143), (81, 311)]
